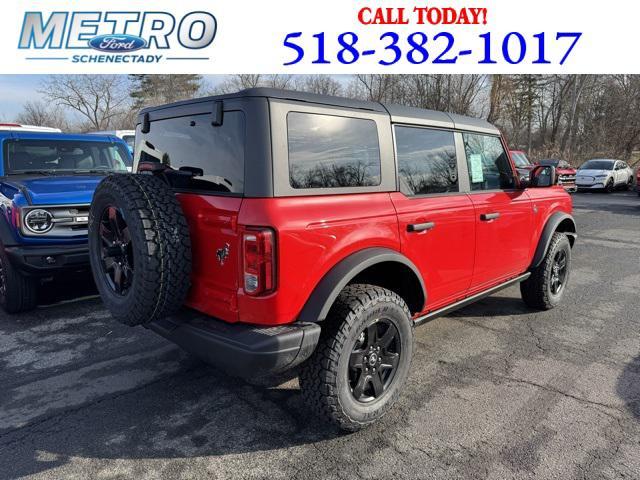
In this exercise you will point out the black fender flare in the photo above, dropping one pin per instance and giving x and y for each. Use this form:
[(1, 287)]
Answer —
[(7, 235), (327, 290), (554, 221)]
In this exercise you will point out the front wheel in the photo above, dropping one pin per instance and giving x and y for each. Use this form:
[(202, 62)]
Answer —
[(363, 358), (545, 287), (610, 186), (17, 291)]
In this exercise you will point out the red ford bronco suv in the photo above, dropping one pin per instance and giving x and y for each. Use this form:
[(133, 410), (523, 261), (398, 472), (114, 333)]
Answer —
[(270, 229)]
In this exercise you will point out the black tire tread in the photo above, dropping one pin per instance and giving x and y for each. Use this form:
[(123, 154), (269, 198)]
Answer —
[(164, 233), (535, 289), (21, 290), (318, 376)]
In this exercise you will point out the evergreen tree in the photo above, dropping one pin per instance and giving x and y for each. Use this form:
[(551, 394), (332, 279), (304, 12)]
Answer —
[(158, 89)]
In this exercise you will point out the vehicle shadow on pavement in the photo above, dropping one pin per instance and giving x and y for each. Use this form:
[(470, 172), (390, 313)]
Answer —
[(609, 206), (492, 306), (628, 386), (194, 411)]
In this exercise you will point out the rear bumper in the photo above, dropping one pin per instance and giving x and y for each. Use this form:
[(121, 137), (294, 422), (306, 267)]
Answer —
[(240, 349), (49, 259)]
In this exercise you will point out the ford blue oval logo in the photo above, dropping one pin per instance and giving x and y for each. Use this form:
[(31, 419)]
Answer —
[(117, 43)]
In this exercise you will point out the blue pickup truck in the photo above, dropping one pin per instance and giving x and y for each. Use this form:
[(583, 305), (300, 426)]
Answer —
[(47, 182)]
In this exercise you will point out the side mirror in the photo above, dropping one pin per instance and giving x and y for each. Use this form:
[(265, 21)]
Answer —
[(543, 176)]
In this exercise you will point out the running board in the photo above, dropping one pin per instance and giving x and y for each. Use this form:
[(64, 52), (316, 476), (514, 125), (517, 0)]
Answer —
[(469, 300)]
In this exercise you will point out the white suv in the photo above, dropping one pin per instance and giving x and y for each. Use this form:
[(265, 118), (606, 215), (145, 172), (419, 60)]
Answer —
[(604, 174)]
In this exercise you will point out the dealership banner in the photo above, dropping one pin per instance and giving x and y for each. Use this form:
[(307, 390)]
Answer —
[(331, 36)]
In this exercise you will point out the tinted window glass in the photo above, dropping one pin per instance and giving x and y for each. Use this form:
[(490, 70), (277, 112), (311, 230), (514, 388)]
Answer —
[(194, 142), (489, 166), (597, 165), (130, 140), (426, 161), (24, 156), (549, 163), (520, 159), (327, 151)]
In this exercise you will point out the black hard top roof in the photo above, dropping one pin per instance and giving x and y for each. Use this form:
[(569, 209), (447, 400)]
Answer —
[(398, 113)]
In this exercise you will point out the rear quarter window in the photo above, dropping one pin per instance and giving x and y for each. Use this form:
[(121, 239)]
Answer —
[(192, 141), (329, 151)]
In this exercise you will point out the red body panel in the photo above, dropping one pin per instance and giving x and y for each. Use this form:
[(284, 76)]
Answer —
[(213, 223), (313, 233), (460, 256), (445, 254), (501, 244)]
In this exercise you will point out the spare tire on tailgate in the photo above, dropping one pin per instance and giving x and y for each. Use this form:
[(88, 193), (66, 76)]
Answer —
[(139, 248)]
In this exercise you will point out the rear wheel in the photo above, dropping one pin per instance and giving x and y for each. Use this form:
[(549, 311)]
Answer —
[(139, 248), (17, 291), (546, 285), (629, 184), (363, 358)]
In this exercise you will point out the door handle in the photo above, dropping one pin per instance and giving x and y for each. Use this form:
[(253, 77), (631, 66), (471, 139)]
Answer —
[(420, 227), (485, 217)]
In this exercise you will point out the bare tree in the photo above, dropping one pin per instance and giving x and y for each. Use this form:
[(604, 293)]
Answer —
[(321, 84), (100, 99), (42, 114)]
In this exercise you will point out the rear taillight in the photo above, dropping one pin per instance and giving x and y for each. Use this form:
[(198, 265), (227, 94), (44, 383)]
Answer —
[(258, 270)]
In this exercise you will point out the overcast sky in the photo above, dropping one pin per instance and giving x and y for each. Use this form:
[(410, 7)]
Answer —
[(16, 90)]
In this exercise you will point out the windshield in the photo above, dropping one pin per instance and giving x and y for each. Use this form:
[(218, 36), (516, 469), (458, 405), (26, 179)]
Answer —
[(549, 163), (597, 165), (53, 156), (520, 159)]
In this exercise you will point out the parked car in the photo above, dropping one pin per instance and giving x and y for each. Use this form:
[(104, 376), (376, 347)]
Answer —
[(269, 229), (129, 136), (566, 173), (47, 180), (638, 180), (11, 127), (522, 163), (604, 174)]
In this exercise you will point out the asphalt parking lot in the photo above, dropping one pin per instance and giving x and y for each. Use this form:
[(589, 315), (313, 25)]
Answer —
[(497, 391)]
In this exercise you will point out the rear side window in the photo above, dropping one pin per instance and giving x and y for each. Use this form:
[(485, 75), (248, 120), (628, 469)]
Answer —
[(489, 166), (427, 161), (193, 142), (328, 151)]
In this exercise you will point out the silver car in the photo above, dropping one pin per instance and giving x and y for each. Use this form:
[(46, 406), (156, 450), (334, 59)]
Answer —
[(604, 174)]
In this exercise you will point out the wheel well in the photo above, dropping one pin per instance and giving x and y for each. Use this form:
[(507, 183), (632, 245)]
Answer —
[(396, 277), (567, 226)]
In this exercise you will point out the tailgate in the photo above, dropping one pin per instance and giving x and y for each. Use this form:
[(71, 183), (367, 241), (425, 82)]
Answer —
[(215, 245)]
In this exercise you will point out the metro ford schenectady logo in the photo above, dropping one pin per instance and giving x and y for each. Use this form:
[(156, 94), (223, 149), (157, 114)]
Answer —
[(117, 43), (116, 37)]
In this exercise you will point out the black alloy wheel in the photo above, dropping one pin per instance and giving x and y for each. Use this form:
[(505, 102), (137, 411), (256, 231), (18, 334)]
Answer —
[(116, 250), (374, 361), (558, 272)]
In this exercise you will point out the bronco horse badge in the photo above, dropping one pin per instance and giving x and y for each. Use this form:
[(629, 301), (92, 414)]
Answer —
[(222, 254)]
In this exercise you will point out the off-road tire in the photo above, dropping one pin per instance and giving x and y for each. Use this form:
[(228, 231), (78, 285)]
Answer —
[(536, 290), (324, 378), (19, 292), (161, 247)]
